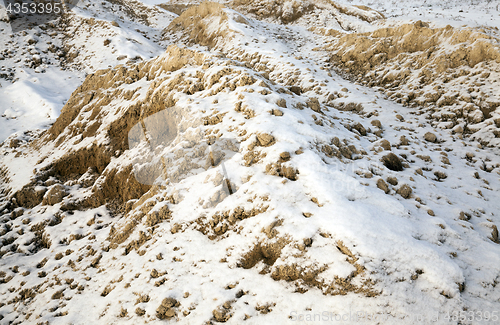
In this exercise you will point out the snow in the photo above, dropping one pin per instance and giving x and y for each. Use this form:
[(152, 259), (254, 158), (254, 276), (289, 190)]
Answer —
[(393, 237), (35, 100), (35, 96), (456, 13)]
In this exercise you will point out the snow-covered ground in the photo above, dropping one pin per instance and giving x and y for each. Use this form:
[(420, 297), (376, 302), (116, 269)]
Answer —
[(317, 224), (19, 114), (41, 68), (35, 100), (457, 13)]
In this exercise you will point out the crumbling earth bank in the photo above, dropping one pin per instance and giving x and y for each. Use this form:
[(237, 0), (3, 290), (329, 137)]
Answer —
[(315, 191)]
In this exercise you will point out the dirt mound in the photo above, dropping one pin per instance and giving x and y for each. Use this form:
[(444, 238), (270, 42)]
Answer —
[(220, 185), (202, 24), (452, 72), (90, 158), (177, 8), (439, 48), (287, 12), (89, 134), (207, 23)]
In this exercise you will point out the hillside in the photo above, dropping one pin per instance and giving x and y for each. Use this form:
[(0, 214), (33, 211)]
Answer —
[(250, 162)]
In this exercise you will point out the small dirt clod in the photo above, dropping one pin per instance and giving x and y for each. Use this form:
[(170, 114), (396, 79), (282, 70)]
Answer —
[(392, 162), (405, 191)]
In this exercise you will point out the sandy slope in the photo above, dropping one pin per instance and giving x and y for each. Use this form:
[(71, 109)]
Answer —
[(47, 64), (246, 175)]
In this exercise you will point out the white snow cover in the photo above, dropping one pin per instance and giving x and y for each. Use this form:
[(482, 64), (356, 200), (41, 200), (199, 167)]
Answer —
[(428, 257)]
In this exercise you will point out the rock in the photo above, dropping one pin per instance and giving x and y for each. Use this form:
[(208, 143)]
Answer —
[(497, 122), (123, 313), (392, 162), (281, 103), (494, 234), (477, 116), (403, 141), (346, 152), (458, 129), (14, 143), (464, 216), (58, 295), (175, 228), (265, 140), (329, 151), (54, 195), (405, 191), (425, 158), (440, 175), (166, 309), (221, 315), (36, 59), (385, 144), (278, 169), (296, 90), (376, 123), (399, 117), (285, 156), (313, 104), (392, 180), (360, 128), (289, 172), (277, 112), (381, 184), (52, 48), (445, 160), (430, 137)]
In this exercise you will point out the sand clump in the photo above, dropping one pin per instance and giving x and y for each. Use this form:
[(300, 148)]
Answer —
[(167, 308)]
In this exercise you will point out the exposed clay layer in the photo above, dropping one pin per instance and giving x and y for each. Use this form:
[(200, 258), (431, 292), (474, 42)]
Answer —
[(452, 73)]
